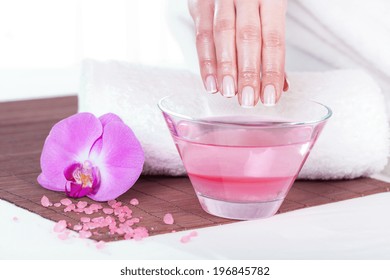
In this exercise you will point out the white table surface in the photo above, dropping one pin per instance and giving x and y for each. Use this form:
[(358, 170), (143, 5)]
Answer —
[(353, 229)]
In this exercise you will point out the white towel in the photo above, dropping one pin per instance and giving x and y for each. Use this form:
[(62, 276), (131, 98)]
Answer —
[(354, 142)]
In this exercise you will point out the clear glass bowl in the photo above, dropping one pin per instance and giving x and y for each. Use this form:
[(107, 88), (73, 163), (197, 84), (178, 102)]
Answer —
[(242, 162)]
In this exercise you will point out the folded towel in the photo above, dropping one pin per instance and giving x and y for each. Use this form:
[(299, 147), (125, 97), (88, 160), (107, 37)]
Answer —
[(354, 142)]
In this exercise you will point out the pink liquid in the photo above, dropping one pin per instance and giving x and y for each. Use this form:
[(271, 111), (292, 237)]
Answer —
[(237, 164)]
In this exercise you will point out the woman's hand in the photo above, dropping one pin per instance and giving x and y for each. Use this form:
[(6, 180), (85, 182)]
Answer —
[(241, 48)]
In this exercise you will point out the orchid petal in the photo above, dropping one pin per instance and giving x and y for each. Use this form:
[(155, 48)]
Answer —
[(104, 119), (120, 161), (69, 141), (107, 118)]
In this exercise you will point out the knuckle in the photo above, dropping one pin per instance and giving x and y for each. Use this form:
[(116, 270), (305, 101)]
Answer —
[(249, 33), (204, 37), (272, 74), (223, 24), (249, 76), (206, 63), (273, 39), (225, 66)]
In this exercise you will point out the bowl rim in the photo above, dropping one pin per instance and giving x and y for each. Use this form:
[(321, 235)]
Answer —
[(226, 123)]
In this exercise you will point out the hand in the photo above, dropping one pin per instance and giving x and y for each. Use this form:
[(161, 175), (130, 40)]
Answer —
[(241, 48)]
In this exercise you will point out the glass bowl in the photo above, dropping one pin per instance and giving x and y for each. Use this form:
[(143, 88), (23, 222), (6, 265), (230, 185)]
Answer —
[(242, 162)]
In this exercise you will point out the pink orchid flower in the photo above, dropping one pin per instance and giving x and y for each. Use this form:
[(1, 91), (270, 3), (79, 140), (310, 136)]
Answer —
[(87, 156)]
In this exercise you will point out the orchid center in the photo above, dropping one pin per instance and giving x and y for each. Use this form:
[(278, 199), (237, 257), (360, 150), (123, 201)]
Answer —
[(81, 179)]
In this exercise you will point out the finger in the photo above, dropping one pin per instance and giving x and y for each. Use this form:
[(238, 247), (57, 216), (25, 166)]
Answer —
[(272, 14), (248, 43), (202, 13), (225, 47), (286, 85)]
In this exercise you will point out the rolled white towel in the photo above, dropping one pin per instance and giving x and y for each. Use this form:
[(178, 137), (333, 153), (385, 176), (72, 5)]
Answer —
[(354, 143)]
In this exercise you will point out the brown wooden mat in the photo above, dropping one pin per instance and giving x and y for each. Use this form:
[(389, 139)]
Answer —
[(24, 125)]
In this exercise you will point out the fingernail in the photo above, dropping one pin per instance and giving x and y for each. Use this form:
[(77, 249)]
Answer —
[(228, 88), (269, 95), (211, 85), (248, 97)]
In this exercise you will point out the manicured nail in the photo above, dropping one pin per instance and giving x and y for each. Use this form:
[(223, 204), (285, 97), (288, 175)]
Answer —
[(211, 85), (269, 95), (248, 97), (228, 88)]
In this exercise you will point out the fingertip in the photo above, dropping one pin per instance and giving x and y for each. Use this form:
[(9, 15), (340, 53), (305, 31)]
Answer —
[(210, 84), (270, 94), (286, 85)]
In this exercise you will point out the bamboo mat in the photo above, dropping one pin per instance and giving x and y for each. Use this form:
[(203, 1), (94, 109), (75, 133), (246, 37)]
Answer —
[(25, 124)]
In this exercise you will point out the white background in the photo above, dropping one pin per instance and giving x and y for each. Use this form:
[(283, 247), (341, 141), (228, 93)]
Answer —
[(43, 41)]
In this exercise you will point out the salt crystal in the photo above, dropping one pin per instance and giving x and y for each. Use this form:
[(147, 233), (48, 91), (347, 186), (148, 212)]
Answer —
[(15, 219), (45, 201), (88, 211), (63, 236), (78, 227), (66, 201), (128, 236), (134, 202), (57, 204), (100, 245), (108, 211), (84, 234), (69, 208), (82, 204), (60, 226), (116, 205), (85, 219), (95, 206), (111, 202), (185, 239), (168, 219), (193, 233)]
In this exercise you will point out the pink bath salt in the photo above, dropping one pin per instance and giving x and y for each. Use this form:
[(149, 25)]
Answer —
[(78, 227), (66, 201), (122, 220), (100, 245), (111, 202), (45, 201), (134, 202), (88, 211), (85, 219), (69, 208), (137, 237), (173, 231), (98, 219), (135, 220), (142, 231), (168, 219), (82, 204), (95, 206), (128, 236), (64, 235), (15, 219), (185, 239), (116, 204), (193, 233), (108, 211), (60, 226), (129, 222), (85, 234), (79, 210)]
